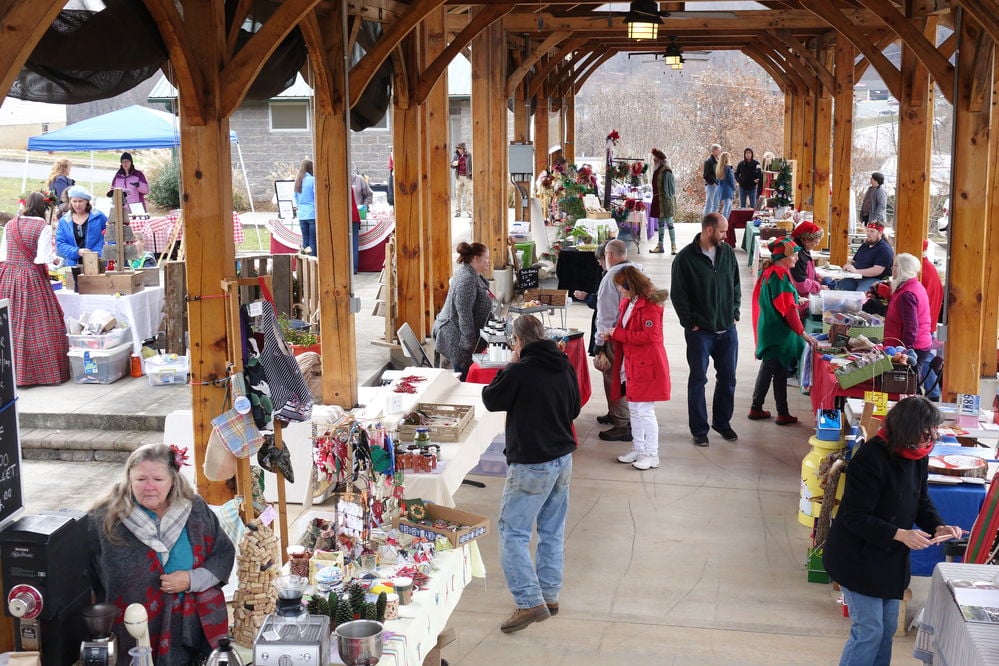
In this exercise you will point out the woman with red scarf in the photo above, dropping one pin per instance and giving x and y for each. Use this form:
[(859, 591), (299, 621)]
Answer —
[(867, 551), (779, 332)]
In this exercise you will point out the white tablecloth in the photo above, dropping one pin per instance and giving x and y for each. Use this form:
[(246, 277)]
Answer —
[(143, 310), (944, 636)]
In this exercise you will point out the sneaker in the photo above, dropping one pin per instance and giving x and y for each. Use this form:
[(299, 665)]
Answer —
[(522, 617), (606, 419), (786, 419), (629, 457), (646, 461), (758, 414), (727, 433), (552, 608), (701, 440), (674, 249), (658, 249), (616, 435)]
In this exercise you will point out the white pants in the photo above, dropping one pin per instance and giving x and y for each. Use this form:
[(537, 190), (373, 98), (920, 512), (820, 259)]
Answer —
[(644, 427)]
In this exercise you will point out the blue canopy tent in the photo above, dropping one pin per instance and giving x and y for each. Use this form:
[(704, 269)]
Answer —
[(125, 129)]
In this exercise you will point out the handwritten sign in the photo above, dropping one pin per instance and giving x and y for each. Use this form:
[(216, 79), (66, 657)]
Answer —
[(880, 401), (11, 499)]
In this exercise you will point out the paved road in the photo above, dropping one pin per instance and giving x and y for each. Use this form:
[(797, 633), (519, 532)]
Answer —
[(83, 175)]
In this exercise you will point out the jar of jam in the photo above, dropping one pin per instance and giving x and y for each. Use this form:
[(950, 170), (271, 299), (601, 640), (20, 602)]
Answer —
[(422, 437)]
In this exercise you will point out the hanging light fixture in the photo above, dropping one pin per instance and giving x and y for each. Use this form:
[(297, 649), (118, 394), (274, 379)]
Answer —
[(643, 20), (673, 53)]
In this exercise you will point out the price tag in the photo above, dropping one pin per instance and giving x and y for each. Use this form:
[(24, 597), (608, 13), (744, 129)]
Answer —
[(256, 308), (269, 514), (880, 401)]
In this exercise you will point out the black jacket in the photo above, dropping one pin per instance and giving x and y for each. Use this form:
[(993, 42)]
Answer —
[(747, 173), (884, 492), (705, 294), (710, 175), (540, 395)]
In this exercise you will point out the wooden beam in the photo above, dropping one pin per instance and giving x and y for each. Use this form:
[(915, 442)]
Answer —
[(806, 56), (984, 13), (776, 73), (823, 147), (842, 167), (581, 79), (553, 61), (498, 148), (433, 72), (365, 69), (540, 50), (880, 45), (241, 71), (569, 113), (841, 22), (923, 48), (541, 138), (968, 207), (320, 66), (400, 79), (236, 19), (990, 302), (187, 77)]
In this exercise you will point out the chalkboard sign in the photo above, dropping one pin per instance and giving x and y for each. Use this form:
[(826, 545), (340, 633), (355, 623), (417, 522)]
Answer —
[(11, 499)]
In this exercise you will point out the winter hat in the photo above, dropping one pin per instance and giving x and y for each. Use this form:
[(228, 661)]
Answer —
[(783, 247), (658, 154), (878, 176), (126, 156), (808, 230), (78, 192)]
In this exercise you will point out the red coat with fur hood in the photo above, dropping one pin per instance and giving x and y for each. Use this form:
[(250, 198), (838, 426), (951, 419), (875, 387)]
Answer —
[(646, 368)]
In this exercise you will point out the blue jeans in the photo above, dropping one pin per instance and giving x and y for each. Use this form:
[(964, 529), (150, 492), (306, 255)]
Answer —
[(853, 284), (927, 375), (308, 228), (723, 349), (534, 493), (726, 207), (711, 197), (747, 198), (356, 242), (874, 623)]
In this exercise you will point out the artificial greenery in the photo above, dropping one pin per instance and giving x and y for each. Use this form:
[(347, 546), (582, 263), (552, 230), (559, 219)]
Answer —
[(164, 188), (783, 194), (296, 336), (380, 604)]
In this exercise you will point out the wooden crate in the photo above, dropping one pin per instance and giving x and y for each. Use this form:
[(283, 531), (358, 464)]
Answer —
[(116, 282), (558, 298), (461, 415)]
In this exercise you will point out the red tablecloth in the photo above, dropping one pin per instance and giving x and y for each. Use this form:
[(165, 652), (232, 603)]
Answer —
[(825, 388), (158, 230), (575, 350), (737, 219)]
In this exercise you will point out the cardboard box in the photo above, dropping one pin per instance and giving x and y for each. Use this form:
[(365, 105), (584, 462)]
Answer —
[(117, 282), (475, 525), (557, 298)]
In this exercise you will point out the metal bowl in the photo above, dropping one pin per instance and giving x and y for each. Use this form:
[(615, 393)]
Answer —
[(359, 642)]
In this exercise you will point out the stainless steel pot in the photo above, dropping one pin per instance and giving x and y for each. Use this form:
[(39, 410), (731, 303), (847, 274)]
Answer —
[(359, 642)]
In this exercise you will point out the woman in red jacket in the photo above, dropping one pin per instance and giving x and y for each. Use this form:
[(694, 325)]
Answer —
[(642, 365)]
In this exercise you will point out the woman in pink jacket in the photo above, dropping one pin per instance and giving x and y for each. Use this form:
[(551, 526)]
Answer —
[(807, 235), (642, 365)]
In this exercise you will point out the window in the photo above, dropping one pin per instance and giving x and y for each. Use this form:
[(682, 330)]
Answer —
[(289, 116)]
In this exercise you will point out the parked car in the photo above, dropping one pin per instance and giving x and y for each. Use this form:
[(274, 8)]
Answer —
[(944, 220)]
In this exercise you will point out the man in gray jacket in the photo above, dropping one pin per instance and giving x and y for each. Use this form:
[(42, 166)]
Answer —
[(608, 299)]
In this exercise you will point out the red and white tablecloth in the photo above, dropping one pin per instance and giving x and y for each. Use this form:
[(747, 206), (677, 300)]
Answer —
[(161, 228)]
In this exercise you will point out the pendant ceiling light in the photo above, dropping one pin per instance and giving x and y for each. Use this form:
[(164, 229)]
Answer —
[(673, 54), (643, 20)]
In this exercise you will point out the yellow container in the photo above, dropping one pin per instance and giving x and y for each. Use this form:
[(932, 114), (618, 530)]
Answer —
[(808, 510)]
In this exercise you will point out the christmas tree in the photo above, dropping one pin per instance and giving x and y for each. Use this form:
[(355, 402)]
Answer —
[(783, 196)]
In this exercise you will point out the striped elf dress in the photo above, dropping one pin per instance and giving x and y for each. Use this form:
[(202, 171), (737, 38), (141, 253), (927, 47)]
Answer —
[(37, 328)]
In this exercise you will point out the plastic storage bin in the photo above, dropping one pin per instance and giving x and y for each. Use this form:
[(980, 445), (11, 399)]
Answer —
[(842, 301), (100, 366), (107, 341), (166, 371)]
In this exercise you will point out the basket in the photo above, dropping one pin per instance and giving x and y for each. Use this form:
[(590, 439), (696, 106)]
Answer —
[(460, 415), (850, 375), (900, 379)]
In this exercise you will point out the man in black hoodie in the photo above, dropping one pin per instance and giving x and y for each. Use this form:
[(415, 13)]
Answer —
[(540, 394)]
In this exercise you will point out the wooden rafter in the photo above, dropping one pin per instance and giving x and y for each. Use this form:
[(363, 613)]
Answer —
[(581, 79), (805, 54), (353, 30), (362, 73), (187, 77), (572, 70), (985, 13), (479, 22), (525, 66), (779, 77), (400, 79), (794, 60), (24, 22), (322, 77), (841, 22), (553, 61), (239, 14), (241, 71), (804, 82), (937, 65), (879, 46)]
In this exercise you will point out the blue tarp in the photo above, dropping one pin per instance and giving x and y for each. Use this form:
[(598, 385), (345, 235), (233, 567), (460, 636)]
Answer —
[(131, 127)]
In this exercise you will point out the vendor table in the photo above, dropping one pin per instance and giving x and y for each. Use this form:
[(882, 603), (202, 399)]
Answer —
[(158, 230), (738, 218), (944, 636), (749, 242), (836, 274), (143, 310), (575, 350), (578, 269), (825, 388)]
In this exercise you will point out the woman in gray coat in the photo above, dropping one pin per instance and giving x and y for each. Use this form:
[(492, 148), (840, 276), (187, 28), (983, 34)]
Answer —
[(875, 205), (466, 310)]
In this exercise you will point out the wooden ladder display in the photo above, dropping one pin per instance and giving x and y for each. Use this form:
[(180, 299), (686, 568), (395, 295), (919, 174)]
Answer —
[(385, 303), (244, 480)]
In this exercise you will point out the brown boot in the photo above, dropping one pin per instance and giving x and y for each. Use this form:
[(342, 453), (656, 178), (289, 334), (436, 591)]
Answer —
[(674, 248), (658, 249), (522, 617)]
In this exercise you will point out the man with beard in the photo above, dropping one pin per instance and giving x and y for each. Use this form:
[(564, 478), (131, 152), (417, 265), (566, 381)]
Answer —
[(706, 295), (872, 261)]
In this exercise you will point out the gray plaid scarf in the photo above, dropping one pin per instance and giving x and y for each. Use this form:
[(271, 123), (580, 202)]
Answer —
[(162, 534)]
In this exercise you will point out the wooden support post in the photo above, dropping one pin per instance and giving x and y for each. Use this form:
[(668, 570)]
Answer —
[(541, 140), (437, 173), (915, 114), (789, 95), (409, 235), (499, 157), (569, 109), (333, 225), (823, 148), (839, 221), (798, 138), (175, 306), (969, 184), (282, 283), (521, 134), (806, 157), (990, 303)]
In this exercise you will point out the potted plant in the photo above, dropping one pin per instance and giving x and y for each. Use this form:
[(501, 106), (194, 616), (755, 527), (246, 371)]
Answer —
[(298, 335)]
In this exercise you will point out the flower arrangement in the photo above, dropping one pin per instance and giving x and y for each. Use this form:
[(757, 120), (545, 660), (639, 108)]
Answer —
[(613, 137), (50, 197), (622, 210), (638, 169), (296, 336), (634, 205)]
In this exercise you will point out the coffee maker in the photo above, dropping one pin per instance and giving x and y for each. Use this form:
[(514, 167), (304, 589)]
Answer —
[(46, 583), (101, 649)]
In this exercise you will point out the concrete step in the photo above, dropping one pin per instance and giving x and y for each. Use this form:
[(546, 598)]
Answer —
[(83, 445), (82, 420)]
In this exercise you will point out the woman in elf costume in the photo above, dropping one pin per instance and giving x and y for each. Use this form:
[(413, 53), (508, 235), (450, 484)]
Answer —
[(780, 336)]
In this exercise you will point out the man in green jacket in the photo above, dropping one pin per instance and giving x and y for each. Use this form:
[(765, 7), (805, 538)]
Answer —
[(706, 294)]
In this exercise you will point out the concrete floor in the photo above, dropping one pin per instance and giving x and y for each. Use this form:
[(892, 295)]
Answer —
[(699, 562)]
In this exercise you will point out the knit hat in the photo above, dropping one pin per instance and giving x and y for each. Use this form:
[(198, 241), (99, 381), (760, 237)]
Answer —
[(878, 176), (658, 154), (783, 247), (126, 156), (874, 224), (807, 229), (78, 192)]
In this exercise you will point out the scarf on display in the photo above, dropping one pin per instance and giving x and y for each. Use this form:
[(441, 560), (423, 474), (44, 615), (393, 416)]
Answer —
[(159, 537), (907, 453)]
